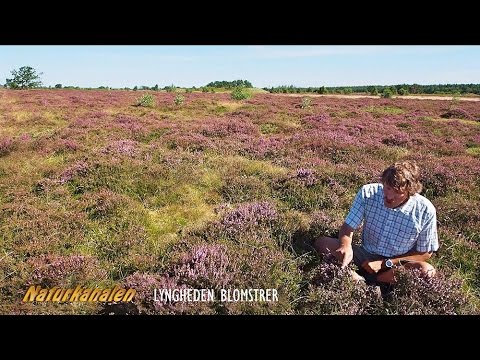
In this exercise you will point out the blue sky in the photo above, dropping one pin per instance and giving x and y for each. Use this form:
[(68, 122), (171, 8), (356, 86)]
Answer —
[(263, 66)]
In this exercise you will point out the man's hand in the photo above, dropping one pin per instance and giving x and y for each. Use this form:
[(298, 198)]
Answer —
[(372, 267), (344, 254)]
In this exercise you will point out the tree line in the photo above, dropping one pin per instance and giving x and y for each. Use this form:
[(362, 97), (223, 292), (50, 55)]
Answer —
[(402, 89), (27, 77), (230, 84)]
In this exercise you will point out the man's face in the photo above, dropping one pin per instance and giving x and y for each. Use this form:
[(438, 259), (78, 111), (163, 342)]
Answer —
[(393, 198)]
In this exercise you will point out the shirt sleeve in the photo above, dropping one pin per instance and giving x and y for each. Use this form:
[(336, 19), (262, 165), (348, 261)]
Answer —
[(428, 237), (357, 211)]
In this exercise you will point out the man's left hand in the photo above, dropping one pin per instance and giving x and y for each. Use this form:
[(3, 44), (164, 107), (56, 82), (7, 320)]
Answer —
[(372, 267)]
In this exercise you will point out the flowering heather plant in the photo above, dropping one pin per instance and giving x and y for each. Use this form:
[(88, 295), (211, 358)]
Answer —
[(257, 263), (206, 266), (398, 139), (325, 143), (102, 203), (306, 176), (98, 114), (474, 140), (260, 148), (25, 138), (134, 125), (456, 113), (54, 270), (300, 196), (453, 175), (70, 145), (84, 123), (189, 141), (78, 169), (64, 145), (437, 180), (137, 130), (125, 119), (45, 185), (332, 290), (228, 126), (418, 114), (144, 301), (414, 294), (268, 268), (122, 147), (222, 208), (314, 120), (249, 215), (144, 284), (6, 146), (324, 223), (329, 271)]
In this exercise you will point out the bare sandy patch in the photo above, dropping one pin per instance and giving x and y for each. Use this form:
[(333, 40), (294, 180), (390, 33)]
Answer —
[(417, 97)]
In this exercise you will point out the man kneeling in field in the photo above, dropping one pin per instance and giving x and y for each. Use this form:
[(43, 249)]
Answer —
[(399, 227)]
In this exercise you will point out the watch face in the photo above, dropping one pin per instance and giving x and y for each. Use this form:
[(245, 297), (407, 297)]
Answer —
[(389, 263)]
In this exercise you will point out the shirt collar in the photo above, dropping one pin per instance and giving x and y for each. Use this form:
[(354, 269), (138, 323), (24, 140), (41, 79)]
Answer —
[(406, 208)]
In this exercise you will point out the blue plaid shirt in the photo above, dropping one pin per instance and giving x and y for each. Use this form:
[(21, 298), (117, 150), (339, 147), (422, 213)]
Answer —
[(392, 232)]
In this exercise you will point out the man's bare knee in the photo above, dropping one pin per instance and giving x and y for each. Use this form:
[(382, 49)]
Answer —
[(320, 245), (325, 244), (425, 268)]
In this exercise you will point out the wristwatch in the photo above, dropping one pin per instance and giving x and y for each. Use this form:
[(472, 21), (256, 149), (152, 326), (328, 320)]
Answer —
[(389, 264)]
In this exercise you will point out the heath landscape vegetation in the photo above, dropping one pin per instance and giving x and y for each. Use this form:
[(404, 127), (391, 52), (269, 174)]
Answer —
[(153, 189)]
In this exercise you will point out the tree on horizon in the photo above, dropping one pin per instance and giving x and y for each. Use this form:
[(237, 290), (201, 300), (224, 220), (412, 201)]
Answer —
[(24, 78)]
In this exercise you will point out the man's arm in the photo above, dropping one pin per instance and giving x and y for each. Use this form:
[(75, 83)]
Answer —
[(345, 250), (353, 220), (412, 255)]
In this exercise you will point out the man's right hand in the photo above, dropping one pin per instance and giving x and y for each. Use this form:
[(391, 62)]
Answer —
[(344, 254)]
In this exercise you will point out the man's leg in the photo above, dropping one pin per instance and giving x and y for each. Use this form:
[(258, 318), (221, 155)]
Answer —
[(327, 245), (425, 268)]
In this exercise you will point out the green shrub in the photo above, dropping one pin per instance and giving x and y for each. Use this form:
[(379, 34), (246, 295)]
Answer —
[(147, 100), (240, 93), (171, 88), (179, 99), (268, 128), (387, 93), (306, 103)]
